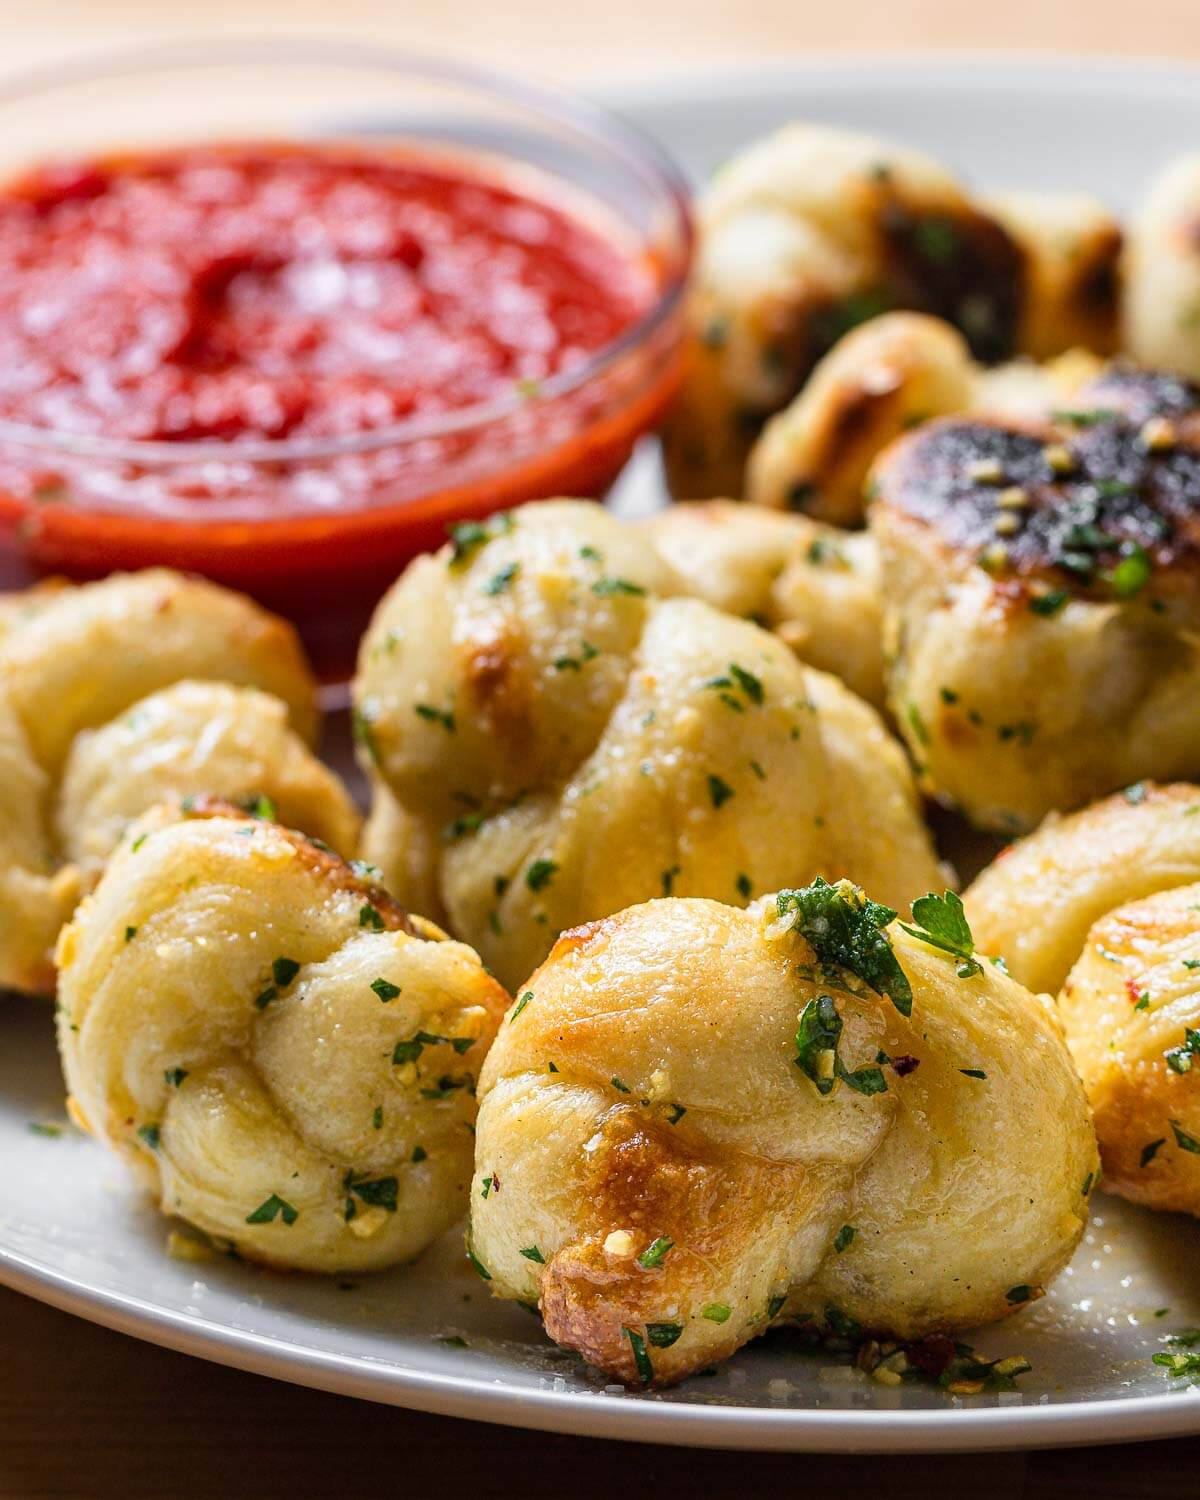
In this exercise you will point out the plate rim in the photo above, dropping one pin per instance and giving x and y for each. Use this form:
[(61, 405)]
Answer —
[(1172, 1413), (628, 1417)]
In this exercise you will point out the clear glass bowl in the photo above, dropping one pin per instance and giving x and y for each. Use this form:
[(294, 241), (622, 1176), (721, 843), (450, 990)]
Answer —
[(318, 529)]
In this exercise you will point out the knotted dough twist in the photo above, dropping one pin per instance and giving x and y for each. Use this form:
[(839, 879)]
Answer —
[(97, 723), (817, 587), (812, 230), (573, 743), (1041, 616), (701, 1121), (279, 1052), (1104, 906)]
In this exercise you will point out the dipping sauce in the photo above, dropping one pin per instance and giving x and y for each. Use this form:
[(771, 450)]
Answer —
[(244, 295)]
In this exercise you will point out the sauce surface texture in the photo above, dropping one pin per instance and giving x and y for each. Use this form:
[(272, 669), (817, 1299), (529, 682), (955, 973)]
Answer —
[(265, 292)]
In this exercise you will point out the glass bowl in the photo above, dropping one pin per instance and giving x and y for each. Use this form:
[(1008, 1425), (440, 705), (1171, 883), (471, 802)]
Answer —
[(318, 529)]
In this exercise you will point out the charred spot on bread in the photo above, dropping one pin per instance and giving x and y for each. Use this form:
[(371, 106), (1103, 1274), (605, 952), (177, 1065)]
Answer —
[(1137, 394), (962, 267), (1089, 506)]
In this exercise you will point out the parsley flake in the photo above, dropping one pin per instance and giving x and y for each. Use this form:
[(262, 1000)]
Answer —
[(540, 873), (273, 1208), (641, 1359), (655, 1253), (605, 588), (719, 791), (844, 928), (942, 924), (1179, 1059)]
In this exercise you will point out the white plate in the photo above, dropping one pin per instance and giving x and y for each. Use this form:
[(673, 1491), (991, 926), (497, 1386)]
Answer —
[(74, 1234)]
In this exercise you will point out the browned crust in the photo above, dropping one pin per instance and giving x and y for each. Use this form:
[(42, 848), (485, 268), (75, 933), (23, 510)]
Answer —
[(320, 861), (652, 1181)]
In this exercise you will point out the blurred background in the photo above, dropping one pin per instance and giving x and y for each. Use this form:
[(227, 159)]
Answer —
[(619, 38)]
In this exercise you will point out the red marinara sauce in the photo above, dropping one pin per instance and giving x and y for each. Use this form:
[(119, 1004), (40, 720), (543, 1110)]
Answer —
[(287, 307)]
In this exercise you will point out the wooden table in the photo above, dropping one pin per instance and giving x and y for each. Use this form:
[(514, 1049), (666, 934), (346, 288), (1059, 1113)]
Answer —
[(88, 1413)]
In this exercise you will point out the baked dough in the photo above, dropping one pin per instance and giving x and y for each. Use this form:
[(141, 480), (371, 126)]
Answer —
[(1041, 611), (282, 1056), (817, 587), (89, 738), (1106, 903), (814, 229), (883, 378), (658, 1174), (1161, 313), (582, 743)]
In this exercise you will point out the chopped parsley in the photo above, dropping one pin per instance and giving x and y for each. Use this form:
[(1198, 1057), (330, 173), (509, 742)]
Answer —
[(641, 1359), (174, 1076), (937, 240), (273, 1208), (466, 537), (1184, 1141), (434, 715), (531, 1252), (605, 588), (1083, 418), (419, 1154), (655, 1253), (719, 791), (362, 727), (1150, 1151), (1179, 1059), (540, 873), (385, 989), (844, 1238), (845, 929), (284, 970), (501, 579), (477, 1265), (621, 1088), (376, 1192), (1049, 603), (151, 1134), (663, 1335), (972, 1072), (1179, 1363), (1019, 1294), (817, 1056), (917, 724), (520, 1005), (260, 806), (744, 886), (716, 1312), (130, 934), (368, 916), (1132, 573), (942, 924)]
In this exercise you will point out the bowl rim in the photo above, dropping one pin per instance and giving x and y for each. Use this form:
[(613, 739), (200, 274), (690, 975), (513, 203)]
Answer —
[(636, 152)]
